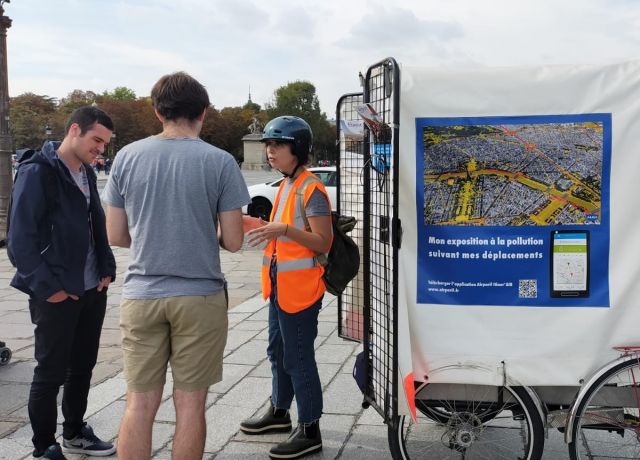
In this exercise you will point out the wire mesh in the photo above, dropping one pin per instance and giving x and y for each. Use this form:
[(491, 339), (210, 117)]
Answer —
[(380, 236), (351, 203)]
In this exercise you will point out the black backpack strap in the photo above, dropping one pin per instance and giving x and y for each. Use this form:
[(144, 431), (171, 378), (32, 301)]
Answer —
[(300, 191)]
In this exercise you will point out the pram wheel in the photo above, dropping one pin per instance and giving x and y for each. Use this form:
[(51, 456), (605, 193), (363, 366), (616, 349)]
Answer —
[(5, 354)]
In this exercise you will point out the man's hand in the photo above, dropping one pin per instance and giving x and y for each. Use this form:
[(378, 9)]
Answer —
[(251, 223), (61, 296), (104, 283)]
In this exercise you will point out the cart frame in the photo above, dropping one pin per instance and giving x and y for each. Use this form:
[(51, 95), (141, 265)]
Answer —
[(382, 238)]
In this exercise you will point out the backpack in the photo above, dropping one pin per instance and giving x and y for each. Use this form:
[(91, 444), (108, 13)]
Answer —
[(23, 156), (342, 262)]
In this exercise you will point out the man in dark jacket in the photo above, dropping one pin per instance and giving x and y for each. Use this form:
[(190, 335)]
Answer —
[(64, 263)]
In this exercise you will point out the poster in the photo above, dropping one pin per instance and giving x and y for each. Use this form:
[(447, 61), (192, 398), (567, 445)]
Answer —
[(513, 210), (522, 183)]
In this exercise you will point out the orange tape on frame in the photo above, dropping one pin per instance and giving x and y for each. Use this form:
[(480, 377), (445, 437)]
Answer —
[(410, 391)]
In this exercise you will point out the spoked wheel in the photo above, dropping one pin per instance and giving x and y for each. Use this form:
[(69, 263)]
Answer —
[(508, 429), (441, 414), (607, 422)]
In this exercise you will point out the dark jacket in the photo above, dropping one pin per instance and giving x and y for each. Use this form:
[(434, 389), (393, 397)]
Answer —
[(49, 235)]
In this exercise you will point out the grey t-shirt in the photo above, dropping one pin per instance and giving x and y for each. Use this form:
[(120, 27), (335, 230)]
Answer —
[(91, 275), (172, 191), (315, 207)]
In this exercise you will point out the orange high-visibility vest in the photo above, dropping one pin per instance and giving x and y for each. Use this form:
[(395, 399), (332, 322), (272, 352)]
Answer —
[(299, 278)]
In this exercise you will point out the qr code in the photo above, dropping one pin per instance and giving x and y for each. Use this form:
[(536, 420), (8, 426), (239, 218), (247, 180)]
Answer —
[(528, 289)]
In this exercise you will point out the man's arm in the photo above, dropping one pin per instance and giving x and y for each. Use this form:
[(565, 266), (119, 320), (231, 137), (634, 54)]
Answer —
[(230, 230), (28, 212), (118, 227)]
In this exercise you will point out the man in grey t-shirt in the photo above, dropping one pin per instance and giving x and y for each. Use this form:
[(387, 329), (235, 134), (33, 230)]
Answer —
[(174, 200)]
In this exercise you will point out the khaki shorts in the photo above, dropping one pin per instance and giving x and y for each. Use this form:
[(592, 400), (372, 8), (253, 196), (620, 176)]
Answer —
[(189, 332)]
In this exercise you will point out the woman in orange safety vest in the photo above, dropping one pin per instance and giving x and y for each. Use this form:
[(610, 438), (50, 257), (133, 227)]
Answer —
[(299, 230)]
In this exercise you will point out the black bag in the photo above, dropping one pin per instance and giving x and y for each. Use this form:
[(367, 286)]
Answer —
[(23, 156), (342, 262)]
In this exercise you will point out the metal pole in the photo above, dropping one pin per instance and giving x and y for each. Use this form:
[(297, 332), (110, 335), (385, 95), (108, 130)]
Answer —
[(6, 149)]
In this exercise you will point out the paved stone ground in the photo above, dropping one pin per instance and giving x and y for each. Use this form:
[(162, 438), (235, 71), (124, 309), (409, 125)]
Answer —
[(348, 431)]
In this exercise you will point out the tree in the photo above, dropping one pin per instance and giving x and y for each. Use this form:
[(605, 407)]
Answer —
[(299, 99), (133, 120), (75, 99), (214, 129), (121, 93), (29, 114), (229, 128)]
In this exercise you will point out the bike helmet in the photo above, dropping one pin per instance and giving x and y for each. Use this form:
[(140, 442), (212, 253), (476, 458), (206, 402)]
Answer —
[(293, 130)]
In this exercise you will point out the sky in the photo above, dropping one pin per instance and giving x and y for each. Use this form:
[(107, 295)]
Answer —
[(56, 46)]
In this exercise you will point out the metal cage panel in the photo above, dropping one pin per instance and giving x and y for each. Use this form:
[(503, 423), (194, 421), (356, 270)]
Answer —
[(381, 237), (351, 203)]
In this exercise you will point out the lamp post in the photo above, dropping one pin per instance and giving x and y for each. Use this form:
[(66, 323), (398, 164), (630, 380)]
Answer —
[(5, 138), (113, 144)]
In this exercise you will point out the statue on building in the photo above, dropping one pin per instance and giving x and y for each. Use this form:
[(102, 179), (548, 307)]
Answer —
[(255, 127)]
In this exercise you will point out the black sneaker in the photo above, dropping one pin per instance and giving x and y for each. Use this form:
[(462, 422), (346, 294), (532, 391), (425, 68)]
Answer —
[(271, 421), (52, 453), (88, 443), (305, 440)]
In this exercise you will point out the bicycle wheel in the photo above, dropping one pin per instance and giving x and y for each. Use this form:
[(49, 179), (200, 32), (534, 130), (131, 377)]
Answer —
[(607, 422), (441, 414), (508, 429)]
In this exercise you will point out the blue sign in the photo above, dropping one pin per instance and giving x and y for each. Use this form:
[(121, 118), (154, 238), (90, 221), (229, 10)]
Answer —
[(496, 197)]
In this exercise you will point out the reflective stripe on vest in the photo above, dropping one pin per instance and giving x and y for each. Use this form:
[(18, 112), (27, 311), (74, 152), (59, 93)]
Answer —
[(299, 212), (288, 265)]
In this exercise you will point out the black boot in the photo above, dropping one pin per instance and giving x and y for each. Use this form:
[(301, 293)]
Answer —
[(271, 421), (305, 440)]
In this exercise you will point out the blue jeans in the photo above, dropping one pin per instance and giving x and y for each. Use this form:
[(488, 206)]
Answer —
[(293, 360)]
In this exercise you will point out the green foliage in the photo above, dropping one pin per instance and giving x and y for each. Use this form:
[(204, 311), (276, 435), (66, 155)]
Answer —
[(215, 130), (28, 115), (299, 99), (121, 93), (134, 118), (226, 128), (76, 98)]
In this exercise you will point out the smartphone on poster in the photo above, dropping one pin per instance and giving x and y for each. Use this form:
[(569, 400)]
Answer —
[(570, 263)]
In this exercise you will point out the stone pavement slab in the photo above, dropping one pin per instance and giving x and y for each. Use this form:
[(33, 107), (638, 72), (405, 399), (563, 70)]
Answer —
[(349, 432), (243, 392)]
